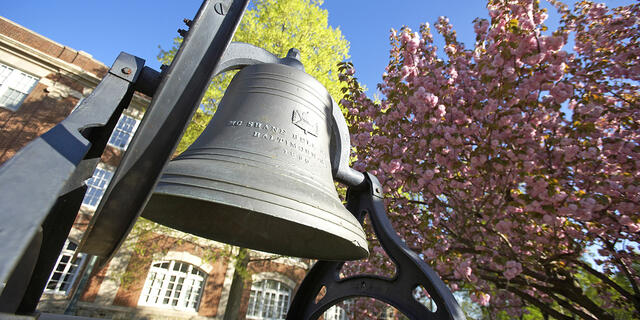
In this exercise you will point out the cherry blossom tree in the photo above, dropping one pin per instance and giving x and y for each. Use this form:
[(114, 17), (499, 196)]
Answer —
[(489, 178)]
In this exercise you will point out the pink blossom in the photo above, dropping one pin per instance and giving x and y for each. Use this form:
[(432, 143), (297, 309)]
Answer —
[(512, 269), (463, 270), (480, 26), (498, 61), (480, 298), (441, 111), (503, 226), (394, 166), (553, 43), (534, 59), (502, 180)]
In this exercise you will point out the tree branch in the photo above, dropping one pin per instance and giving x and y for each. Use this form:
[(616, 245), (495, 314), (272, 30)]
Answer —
[(551, 292), (568, 306), (564, 288), (539, 304), (624, 267), (606, 280), (266, 259), (623, 99)]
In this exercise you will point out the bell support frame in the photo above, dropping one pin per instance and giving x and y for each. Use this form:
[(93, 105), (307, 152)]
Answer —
[(411, 271), (177, 97), (43, 184)]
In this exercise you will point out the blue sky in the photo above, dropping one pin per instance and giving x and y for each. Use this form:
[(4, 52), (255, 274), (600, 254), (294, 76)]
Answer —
[(104, 28)]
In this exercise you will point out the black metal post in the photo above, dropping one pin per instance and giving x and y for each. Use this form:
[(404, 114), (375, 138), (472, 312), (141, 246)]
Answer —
[(43, 182), (72, 307), (176, 98)]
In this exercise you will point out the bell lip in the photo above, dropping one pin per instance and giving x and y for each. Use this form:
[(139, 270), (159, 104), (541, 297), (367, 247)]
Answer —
[(328, 246), (189, 178)]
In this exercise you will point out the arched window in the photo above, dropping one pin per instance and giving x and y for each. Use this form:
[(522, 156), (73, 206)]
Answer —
[(173, 284), (269, 300), (339, 312), (15, 86), (65, 271)]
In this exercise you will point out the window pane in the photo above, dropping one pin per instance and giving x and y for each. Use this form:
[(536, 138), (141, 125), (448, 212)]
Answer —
[(177, 289), (123, 132), (96, 186), (5, 71), (65, 270), (269, 299), (339, 311), (15, 85), (11, 99)]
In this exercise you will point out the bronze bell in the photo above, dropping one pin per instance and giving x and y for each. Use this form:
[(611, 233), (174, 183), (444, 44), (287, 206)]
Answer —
[(259, 176)]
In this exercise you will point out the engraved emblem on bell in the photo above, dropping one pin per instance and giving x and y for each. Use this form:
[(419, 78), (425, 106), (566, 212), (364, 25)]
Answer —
[(301, 119), (259, 175)]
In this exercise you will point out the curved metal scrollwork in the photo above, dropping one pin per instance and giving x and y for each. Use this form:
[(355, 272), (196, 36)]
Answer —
[(411, 271)]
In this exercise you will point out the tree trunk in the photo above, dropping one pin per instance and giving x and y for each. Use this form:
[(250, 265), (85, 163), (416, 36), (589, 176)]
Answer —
[(232, 311)]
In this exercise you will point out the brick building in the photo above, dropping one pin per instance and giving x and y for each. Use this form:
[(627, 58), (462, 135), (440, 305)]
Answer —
[(180, 277)]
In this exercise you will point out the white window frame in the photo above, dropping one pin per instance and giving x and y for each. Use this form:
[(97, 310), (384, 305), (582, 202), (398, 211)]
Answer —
[(162, 285), (123, 131), (96, 185), (267, 303), (66, 269), (339, 312), (18, 81)]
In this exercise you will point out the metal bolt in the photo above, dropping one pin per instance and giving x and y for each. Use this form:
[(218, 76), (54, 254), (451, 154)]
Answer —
[(219, 8), (183, 32), (126, 70), (294, 54), (187, 22)]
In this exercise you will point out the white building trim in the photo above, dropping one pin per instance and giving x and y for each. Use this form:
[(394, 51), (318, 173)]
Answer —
[(257, 277), (188, 258), (113, 276), (42, 64)]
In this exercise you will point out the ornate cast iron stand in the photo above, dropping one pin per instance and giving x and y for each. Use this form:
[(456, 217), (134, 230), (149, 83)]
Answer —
[(411, 271)]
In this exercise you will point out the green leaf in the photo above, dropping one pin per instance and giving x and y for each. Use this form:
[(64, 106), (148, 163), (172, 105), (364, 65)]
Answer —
[(278, 26)]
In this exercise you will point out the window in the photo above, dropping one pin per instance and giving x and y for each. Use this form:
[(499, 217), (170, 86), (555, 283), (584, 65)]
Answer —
[(66, 269), (15, 85), (269, 299), (123, 132), (339, 312), (173, 284), (96, 186)]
